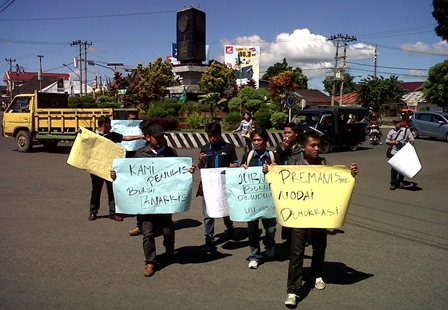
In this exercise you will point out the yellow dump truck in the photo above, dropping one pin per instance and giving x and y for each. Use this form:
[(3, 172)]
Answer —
[(46, 118)]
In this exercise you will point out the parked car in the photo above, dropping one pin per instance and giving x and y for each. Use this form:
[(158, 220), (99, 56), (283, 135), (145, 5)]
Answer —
[(337, 126), (430, 124)]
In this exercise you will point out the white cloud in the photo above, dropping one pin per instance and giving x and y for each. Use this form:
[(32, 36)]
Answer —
[(301, 48), (439, 48)]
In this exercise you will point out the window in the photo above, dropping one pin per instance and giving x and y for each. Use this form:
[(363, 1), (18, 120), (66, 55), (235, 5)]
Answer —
[(21, 104), (426, 117)]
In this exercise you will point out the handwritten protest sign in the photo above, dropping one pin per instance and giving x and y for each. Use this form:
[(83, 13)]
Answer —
[(129, 128), (311, 196), (94, 153), (153, 185), (406, 161), (214, 187), (248, 194)]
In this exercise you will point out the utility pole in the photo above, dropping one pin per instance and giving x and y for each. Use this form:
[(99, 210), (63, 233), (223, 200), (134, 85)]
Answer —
[(82, 50), (344, 39), (39, 75), (9, 77), (374, 60)]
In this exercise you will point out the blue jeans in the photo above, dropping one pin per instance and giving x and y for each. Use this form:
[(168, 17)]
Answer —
[(209, 224), (254, 237)]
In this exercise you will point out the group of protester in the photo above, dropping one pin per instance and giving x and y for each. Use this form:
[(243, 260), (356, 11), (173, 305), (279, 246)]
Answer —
[(295, 149)]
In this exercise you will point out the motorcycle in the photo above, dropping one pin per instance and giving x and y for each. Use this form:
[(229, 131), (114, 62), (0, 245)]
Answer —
[(375, 134)]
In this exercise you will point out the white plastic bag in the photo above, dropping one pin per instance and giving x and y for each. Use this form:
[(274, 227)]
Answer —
[(406, 161)]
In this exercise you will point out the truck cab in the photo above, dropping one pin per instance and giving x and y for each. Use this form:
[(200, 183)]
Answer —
[(337, 126)]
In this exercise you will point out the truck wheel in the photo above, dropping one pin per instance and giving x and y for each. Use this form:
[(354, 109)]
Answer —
[(24, 141), (325, 146), (50, 145), (353, 147)]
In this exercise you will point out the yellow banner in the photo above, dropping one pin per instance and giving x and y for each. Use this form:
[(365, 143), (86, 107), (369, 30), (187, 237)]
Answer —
[(94, 153), (311, 196)]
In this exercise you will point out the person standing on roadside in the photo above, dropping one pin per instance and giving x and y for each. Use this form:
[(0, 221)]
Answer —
[(104, 127), (215, 154), (396, 138), (288, 150), (318, 236), (246, 126), (256, 158)]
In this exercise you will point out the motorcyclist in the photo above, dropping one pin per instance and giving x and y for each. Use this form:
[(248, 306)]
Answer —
[(374, 130)]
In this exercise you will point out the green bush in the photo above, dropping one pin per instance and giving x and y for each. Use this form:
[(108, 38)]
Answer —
[(263, 118), (173, 107), (231, 120), (194, 106), (279, 119), (234, 104), (194, 120), (109, 104), (105, 98), (156, 112), (253, 105)]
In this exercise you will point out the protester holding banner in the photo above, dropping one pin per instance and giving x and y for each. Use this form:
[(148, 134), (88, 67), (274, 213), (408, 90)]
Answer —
[(214, 154), (257, 157), (397, 138), (104, 127), (318, 236), (289, 149), (152, 224)]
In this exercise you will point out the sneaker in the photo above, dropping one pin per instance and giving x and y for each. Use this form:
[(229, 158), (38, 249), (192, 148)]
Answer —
[(150, 269), (253, 264), (92, 217), (402, 185), (393, 187), (135, 231), (320, 284), (270, 252), (291, 300)]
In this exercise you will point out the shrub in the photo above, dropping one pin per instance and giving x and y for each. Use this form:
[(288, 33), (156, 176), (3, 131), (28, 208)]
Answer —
[(109, 104), (279, 119), (194, 106), (234, 104), (157, 112), (263, 118), (173, 106), (253, 104), (231, 120), (194, 120)]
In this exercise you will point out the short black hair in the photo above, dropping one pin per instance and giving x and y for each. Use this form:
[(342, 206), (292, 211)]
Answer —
[(213, 128), (103, 120), (295, 127), (260, 132), (307, 135)]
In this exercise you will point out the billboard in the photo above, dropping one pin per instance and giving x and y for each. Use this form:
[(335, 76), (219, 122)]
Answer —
[(245, 60)]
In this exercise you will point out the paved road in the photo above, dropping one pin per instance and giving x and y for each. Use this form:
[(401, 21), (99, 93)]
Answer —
[(391, 253)]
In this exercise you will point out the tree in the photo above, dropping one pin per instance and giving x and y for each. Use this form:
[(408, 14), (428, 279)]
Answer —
[(440, 13), (217, 79), (154, 79), (213, 99), (378, 90), (118, 83), (281, 84), (436, 86), (349, 85), (301, 81)]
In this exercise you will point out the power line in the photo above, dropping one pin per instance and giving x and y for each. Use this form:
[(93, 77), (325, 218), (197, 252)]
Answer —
[(399, 68), (84, 17), (3, 7), (392, 73)]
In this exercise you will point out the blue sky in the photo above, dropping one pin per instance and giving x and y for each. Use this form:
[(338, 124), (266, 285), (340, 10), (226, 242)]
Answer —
[(133, 32)]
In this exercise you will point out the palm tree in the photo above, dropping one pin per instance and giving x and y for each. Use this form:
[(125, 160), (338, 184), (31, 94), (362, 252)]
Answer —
[(213, 99)]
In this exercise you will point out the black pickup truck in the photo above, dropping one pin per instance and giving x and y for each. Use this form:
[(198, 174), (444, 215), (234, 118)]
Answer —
[(337, 126)]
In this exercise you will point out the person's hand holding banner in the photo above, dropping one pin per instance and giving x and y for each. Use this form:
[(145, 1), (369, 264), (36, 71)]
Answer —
[(94, 153), (153, 185), (311, 196)]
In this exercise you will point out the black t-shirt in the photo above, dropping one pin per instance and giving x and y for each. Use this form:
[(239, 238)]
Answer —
[(113, 136), (219, 156)]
